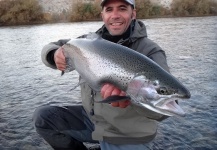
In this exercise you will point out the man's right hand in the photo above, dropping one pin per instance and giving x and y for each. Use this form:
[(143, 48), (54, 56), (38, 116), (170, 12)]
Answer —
[(59, 59)]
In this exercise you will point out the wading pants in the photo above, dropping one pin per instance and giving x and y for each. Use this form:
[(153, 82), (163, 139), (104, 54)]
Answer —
[(68, 127)]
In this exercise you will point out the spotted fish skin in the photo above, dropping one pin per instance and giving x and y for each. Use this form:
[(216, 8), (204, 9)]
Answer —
[(99, 61)]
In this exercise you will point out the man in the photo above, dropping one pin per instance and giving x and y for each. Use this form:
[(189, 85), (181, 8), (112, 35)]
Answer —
[(116, 126)]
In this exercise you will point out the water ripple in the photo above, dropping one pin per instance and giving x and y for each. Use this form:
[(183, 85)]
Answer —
[(190, 45)]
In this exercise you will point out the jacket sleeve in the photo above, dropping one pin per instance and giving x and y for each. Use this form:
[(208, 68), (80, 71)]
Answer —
[(47, 54), (153, 51), (159, 56)]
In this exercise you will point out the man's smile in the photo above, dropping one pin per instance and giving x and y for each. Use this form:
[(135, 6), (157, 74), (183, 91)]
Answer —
[(116, 24)]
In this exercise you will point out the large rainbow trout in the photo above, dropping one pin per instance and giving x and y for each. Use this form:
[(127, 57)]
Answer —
[(146, 84)]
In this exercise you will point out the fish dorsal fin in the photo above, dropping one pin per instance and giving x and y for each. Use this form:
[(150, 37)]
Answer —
[(93, 36)]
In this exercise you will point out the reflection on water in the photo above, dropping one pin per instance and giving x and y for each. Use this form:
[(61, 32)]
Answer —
[(190, 45)]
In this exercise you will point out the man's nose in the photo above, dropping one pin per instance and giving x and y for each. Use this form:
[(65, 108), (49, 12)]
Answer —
[(115, 14)]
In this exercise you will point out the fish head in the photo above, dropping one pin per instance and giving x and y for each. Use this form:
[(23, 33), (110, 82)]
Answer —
[(157, 96)]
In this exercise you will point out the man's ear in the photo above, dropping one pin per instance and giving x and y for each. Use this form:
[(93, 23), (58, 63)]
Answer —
[(133, 14), (102, 15)]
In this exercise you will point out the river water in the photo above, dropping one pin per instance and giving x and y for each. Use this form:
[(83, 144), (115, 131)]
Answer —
[(25, 83)]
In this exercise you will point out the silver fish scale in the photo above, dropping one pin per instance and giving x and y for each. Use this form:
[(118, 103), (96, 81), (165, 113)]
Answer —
[(92, 64)]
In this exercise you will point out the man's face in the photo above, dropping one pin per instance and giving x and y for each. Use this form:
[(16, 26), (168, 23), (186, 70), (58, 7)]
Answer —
[(117, 16)]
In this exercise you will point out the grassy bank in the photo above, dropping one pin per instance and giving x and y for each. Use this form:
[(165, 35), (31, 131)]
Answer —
[(193, 8), (16, 12)]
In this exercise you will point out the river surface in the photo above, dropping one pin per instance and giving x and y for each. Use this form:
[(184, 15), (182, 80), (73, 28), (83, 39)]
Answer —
[(26, 83)]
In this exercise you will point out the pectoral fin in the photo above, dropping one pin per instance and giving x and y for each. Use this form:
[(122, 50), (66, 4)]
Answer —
[(114, 98)]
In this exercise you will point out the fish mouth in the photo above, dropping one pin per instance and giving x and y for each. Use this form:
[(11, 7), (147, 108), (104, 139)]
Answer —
[(168, 105)]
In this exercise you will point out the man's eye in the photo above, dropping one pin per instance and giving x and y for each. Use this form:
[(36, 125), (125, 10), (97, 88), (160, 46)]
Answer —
[(108, 10), (122, 8)]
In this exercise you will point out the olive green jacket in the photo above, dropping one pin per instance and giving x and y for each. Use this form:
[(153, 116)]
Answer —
[(130, 125)]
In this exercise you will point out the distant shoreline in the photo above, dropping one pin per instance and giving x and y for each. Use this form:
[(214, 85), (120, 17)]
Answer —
[(93, 20), (20, 12)]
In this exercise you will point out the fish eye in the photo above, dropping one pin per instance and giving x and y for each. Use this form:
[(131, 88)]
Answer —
[(162, 90)]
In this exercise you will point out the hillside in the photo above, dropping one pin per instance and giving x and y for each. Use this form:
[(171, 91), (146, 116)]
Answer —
[(59, 6), (165, 3), (55, 6)]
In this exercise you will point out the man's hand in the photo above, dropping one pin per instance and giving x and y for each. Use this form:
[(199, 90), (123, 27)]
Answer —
[(109, 90), (59, 59)]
